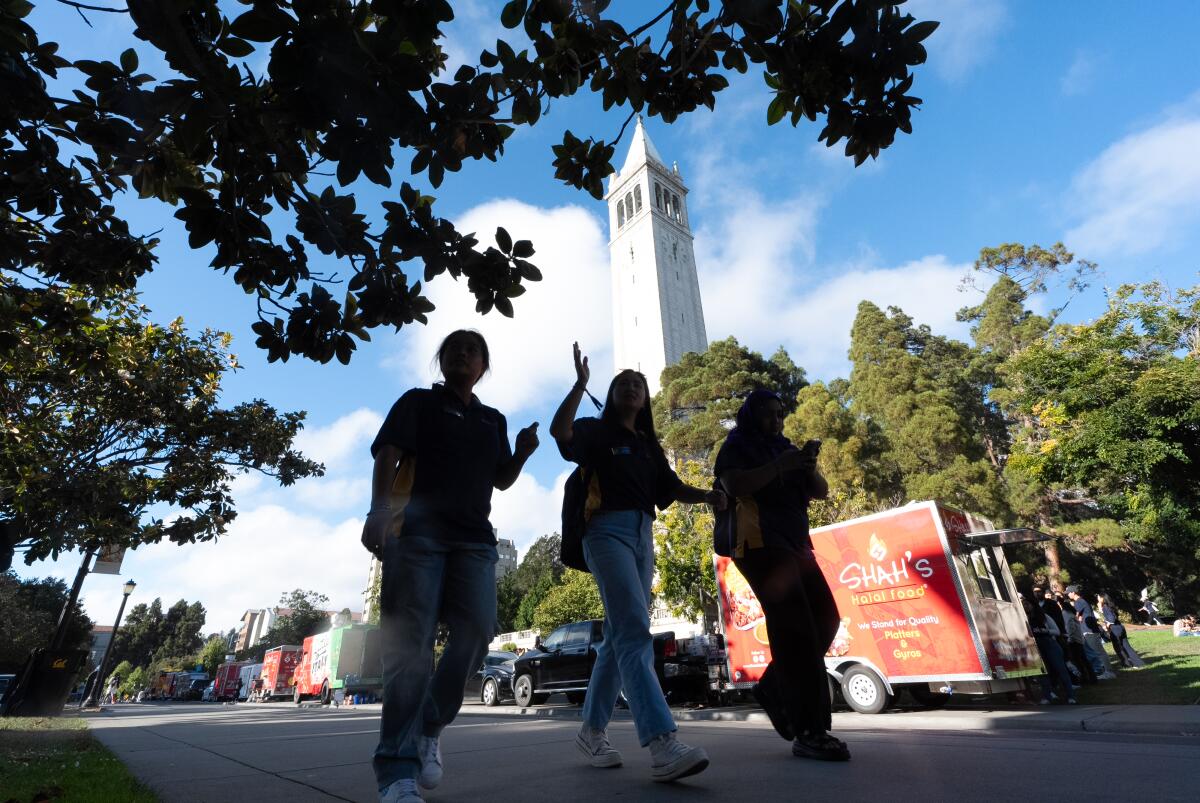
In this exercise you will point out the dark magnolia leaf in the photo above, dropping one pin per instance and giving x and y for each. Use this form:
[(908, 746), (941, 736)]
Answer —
[(504, 240), (261, 24), (232, 46), (528, 271), (523, 249), (921, 31), (513, 13), (776, 110), (129, 61), (504, 306)]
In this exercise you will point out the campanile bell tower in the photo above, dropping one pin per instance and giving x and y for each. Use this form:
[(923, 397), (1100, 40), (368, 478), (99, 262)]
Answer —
[(657, 314)]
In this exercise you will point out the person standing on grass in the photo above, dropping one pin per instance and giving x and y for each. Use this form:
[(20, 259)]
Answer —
[(1093, 647), (1115, 632), (629, 477), (773, 480), (438, 455)]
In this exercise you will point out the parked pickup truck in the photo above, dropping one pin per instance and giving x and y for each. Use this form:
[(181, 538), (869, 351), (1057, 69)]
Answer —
[(563, 661)]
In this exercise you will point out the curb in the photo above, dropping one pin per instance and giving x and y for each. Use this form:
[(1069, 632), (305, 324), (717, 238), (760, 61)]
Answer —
[(1088, 719)]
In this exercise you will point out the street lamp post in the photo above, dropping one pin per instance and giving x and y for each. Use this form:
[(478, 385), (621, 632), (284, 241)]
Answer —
[(108, 650)]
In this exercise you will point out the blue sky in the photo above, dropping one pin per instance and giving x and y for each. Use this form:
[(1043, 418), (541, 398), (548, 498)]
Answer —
[(1041, 122)]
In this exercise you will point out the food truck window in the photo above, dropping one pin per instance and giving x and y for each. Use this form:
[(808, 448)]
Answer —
[(987, 573)]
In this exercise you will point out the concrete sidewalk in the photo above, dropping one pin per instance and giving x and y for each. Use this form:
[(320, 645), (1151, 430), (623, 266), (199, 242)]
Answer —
[(1157, 720)]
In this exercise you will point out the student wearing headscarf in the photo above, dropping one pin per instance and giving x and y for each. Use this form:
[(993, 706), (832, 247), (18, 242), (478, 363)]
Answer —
[(773, 482)]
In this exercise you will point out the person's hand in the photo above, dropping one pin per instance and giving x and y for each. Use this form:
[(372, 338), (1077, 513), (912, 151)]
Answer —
[(797, 460), (717, 499), (375, 530), (582, 372), (527, 441)]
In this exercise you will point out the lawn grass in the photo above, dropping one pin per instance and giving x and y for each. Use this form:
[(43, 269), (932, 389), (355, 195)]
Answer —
[(55, 758), (1171, 676)]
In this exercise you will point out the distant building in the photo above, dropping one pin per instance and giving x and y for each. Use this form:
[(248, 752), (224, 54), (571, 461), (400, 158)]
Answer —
[(101, 637), (255, 624), (508, 557)]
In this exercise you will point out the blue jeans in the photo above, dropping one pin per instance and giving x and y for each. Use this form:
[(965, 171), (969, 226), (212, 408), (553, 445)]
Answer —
[(1056, 667), (427, 580), (619, 550)]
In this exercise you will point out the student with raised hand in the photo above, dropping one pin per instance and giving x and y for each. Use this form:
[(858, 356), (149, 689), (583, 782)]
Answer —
[(438, 455), (772, 481), (629, 477)]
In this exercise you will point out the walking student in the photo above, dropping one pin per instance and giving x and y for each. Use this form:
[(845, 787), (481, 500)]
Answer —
[(438, 455), (629, 476), (772, 481)]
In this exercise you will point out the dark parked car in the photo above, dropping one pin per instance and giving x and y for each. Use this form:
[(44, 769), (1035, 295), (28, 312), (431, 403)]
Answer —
[(195, 690), (563, 661), (492, 683)]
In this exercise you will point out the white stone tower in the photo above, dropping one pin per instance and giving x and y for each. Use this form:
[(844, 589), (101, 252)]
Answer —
[(657, 314)]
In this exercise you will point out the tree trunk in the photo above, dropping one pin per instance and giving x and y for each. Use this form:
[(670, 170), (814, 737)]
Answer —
[(1053, 564)]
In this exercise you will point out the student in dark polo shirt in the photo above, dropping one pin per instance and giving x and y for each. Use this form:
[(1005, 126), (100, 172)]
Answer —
[(628, 476), (772, 482), (438, 456)]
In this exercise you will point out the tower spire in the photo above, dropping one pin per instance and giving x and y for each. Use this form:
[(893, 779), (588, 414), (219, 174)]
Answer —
[(641, 149)]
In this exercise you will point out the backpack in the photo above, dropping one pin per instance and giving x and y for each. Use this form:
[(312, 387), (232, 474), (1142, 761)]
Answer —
[(574, 519), (725, 525)]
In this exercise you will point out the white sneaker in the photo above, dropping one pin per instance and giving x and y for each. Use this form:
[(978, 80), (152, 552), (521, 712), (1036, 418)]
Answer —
[(401, 791), (594, 744), (671, 759), (430, 753)]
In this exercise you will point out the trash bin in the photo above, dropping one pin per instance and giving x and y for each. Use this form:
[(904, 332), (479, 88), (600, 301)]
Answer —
[(45, 682)]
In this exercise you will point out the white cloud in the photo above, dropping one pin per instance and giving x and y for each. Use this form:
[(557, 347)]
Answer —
[(475, 27), (756, 265), (267, 551), (531, 352), (342, 441), (1142, 192), (1079, 76), (528, 510), (967, 35)]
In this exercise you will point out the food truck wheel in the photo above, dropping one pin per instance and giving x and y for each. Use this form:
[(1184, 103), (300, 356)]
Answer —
[(864, 691), (326, 695), (296, 695)]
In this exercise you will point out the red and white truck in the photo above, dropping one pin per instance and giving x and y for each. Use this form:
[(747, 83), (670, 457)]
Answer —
[(225, 683), (927, 603), (278, 666)]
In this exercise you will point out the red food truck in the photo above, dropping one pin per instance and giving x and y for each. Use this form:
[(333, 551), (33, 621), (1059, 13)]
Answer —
[(927, 604), (279, 664), (226, 681)]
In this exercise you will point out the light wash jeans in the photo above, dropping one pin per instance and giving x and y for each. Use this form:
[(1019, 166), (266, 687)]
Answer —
[(426, 580), (619, 549), (1093, 648)]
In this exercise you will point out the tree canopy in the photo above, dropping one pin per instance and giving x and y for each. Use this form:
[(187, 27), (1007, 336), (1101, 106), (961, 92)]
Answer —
[(30, 613), (575, 599), (148, 634), (262, 166), (701, 393), (107, 415)]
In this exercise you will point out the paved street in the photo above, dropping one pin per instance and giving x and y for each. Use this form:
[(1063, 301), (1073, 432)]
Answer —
[(275, 753)]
